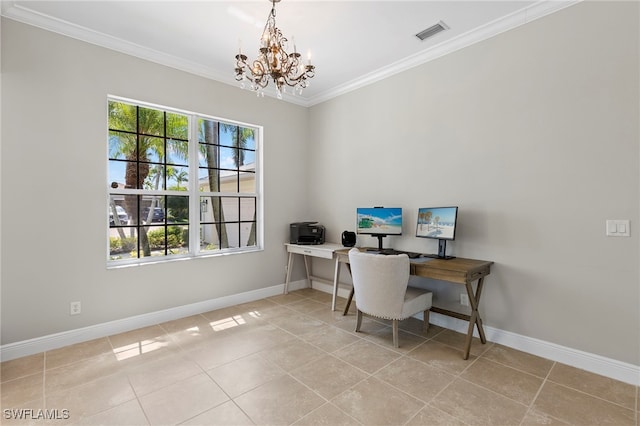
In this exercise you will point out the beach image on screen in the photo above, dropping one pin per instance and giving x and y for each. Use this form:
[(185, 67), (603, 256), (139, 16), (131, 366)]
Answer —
[(379, 221), (437, 222)]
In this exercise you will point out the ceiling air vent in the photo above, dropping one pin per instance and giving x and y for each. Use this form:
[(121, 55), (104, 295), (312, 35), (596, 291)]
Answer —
[(432, 30)]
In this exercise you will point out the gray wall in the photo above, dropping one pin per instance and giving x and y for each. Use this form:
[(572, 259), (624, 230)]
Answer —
[(534, 135), (54, 109)]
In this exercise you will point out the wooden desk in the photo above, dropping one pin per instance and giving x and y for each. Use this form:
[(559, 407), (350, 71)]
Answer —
[(456, 271), (325, 251)]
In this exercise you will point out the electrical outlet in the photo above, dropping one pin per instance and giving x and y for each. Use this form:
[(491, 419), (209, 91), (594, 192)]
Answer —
[(464, 299), (75, 308)]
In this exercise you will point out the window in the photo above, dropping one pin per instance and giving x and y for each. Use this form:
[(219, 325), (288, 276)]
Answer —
[(180, 184)]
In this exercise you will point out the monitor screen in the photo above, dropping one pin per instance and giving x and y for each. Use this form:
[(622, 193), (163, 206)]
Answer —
[(437, 222), (379, 220)]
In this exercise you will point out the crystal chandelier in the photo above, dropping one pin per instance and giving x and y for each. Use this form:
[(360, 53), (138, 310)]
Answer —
[(273, 62)]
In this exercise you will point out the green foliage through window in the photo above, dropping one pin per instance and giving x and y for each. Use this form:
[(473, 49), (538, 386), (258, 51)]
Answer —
[(172, 176)]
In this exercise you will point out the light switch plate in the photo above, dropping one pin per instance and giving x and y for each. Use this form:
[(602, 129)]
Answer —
[(618, 228)]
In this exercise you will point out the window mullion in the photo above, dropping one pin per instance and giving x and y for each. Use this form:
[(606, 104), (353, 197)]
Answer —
[(194, 196)]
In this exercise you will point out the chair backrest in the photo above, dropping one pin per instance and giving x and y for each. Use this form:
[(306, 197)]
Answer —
[(379, 282)]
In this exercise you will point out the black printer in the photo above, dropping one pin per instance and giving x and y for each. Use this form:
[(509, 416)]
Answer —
[(306, 233)]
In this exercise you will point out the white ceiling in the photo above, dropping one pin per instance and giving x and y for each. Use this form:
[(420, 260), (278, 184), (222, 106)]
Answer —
[(352, 43)]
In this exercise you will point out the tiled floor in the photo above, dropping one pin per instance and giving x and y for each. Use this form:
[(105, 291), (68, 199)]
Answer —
[(290, 360)]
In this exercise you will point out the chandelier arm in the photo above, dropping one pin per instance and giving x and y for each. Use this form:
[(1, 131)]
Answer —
[(273, 62)]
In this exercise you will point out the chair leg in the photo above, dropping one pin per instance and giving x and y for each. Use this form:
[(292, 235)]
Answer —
[(395, 333), (358, 320), (425, 317)]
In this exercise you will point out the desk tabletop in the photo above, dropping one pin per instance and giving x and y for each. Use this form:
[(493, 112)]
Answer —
[(326, 246), (458, 269)]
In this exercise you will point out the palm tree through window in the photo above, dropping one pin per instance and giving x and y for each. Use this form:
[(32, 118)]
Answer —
[(180, 184)]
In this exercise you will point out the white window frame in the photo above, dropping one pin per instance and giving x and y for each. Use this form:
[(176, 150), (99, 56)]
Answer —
[(193, 192)]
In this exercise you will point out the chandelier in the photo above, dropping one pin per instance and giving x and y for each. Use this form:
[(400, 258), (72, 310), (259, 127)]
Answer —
[(274, 63)]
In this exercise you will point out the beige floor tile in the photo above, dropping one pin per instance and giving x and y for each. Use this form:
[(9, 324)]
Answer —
[(135, 337), (281, 360), (293, 355), (367, 356), (596, 385), (285, 299), (329, 338), (190, 330), (78, 352), (272, 313), (519, 360), (368, 327), (242, 375), (309, 292), (256, 306), (297, 323), (225, 414), (534, 418), (415, 378), (223, 350), (182, 400), (142, 344), (415, 326), (434, 417), (457, 340), (442, 356), (406, 341), (20, 367), (322, 297), (479, 406), (329, 415), (162, 372), (262, 336), (128, 414), (506, 381), (136, 348), (329, 376), (92, 397), (307, 305), (233, 317), (374, 402), (335, 318), (81, 372), (25, 388), (279, 402), (578, 408)]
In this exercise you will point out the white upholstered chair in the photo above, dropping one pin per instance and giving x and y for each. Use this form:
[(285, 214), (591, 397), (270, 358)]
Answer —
[(380, 283)]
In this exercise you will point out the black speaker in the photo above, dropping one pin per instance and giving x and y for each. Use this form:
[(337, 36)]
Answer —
[(348, 239)]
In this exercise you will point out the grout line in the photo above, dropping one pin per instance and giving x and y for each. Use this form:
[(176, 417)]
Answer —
[(530, 408), (366, 338)]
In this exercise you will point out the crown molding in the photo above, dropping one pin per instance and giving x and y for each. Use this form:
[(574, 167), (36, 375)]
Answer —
[(538, 10)]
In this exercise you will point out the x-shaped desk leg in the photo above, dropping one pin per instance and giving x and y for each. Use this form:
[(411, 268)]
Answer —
[(474, 319)]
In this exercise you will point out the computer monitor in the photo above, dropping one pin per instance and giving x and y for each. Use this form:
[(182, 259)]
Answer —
[(438, 223), (379, 222)]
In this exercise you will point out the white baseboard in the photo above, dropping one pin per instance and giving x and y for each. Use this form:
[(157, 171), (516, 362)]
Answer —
[(53, 341), (597, 364)]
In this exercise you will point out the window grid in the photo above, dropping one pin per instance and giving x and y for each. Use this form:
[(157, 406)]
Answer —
[(168, 231)]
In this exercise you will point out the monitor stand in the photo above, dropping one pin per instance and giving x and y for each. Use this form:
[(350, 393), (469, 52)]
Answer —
[(380, 237), (379, 249), (442, 251)]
